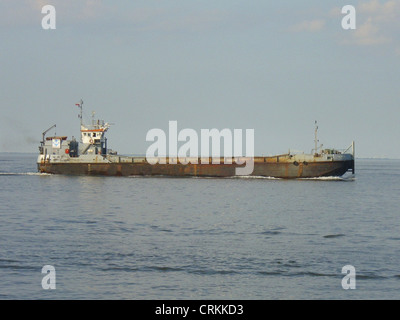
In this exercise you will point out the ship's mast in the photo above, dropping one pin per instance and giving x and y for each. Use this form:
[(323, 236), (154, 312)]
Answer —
[(80, 107), (316, 138), (93, 134)]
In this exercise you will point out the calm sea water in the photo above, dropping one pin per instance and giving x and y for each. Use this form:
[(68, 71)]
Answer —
[(167, 238)]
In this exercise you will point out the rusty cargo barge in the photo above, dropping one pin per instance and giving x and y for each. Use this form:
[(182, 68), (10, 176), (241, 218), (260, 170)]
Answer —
[(90, 156)]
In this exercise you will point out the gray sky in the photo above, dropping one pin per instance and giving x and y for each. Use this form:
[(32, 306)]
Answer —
[(271, 66)]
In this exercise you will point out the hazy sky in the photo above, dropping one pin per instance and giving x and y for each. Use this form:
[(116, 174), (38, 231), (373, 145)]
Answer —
[(271, 66)]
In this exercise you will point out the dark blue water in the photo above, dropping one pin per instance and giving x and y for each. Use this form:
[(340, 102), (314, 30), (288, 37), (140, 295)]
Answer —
[(166, 238)]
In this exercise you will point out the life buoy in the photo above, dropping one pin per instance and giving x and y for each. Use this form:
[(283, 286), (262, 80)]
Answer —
[(66, 151), (91, 141)]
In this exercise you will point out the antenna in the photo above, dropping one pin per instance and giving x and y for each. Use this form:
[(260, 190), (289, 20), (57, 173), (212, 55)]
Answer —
[(80, 107), (315, 137)]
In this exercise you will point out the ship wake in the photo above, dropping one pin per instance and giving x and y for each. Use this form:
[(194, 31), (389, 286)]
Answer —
[(24, 174), (253, 177), (331, 178)]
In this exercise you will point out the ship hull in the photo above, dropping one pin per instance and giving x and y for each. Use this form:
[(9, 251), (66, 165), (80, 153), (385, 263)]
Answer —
[(285, 170)]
